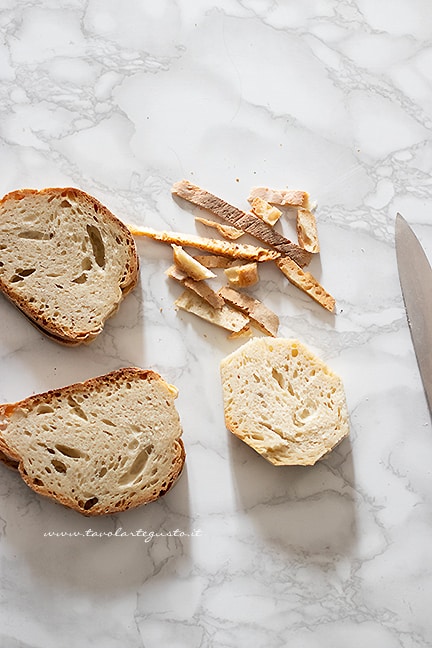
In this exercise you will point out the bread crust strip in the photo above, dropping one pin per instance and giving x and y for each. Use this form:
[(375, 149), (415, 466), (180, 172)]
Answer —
[(284, 198), (216, 246), (214, 261), (225, 317), (266, 320), (268, 213), (227, 231), (198, 287), (306, 282), (247, 222), (241, 276), (307, 232), (193, 268)]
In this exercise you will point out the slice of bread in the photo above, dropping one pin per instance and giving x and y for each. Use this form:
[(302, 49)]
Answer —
[(283, 401), (65, 261), (101, 446)]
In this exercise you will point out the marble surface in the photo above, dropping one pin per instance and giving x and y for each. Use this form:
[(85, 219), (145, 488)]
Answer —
[(330, 96)]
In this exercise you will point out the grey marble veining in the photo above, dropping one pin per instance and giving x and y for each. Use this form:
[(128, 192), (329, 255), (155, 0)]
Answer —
[(122, 100)]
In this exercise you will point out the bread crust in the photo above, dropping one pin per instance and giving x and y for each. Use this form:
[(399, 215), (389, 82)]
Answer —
[(128, 281), (12, 458), (247, 222)]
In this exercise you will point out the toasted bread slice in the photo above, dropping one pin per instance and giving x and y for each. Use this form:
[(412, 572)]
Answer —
[(102, 446), (65, 261), (283, 401)]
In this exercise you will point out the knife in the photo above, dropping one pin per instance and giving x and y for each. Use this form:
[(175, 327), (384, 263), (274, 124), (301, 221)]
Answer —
[(415, 275)]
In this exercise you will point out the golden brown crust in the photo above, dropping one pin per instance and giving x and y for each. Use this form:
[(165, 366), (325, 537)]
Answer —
[(227, 231), (306, 282), (247, 222), (215, 246), (199, 287), (266, 320), (128, 282)]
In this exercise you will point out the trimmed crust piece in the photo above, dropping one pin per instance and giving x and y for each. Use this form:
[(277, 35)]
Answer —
[(214, 261), (65, 261), (198, 287), (189, 265), (265, 211), (228, 232), (216, 246), (241, 276), (247, 222), (263, 317), (307, 231), (99, 447), (225, 317), (306, 282), (283, 401), (284, 198)]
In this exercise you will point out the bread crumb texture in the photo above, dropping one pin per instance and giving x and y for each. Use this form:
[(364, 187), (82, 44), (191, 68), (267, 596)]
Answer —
[(65, 260), (102, 446), (283, 401)]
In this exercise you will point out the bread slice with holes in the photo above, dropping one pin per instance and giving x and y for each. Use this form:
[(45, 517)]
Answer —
[(65, 261), (101, 446), (283, 401)]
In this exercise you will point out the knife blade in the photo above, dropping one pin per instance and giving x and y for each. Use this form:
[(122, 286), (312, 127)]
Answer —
[(415, 275)]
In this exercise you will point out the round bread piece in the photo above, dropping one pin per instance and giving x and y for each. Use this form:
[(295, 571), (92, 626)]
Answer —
[(101, 446), (65, 261), (283, 401)]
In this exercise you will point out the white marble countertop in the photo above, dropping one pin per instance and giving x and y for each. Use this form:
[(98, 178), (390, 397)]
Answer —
[(121, 99)]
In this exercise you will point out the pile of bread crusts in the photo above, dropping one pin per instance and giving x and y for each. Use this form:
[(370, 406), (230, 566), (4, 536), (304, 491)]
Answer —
[(229, 307)]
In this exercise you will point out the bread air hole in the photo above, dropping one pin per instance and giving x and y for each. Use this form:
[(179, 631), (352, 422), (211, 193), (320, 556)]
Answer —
[(44, 409), (59, 466), (97, 245), (81, 279), (137, 466), (35, 235), (89, 503), (21, 274), (76, 409), (67, 451), (279, 377), (108, 422), (86, 263)]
